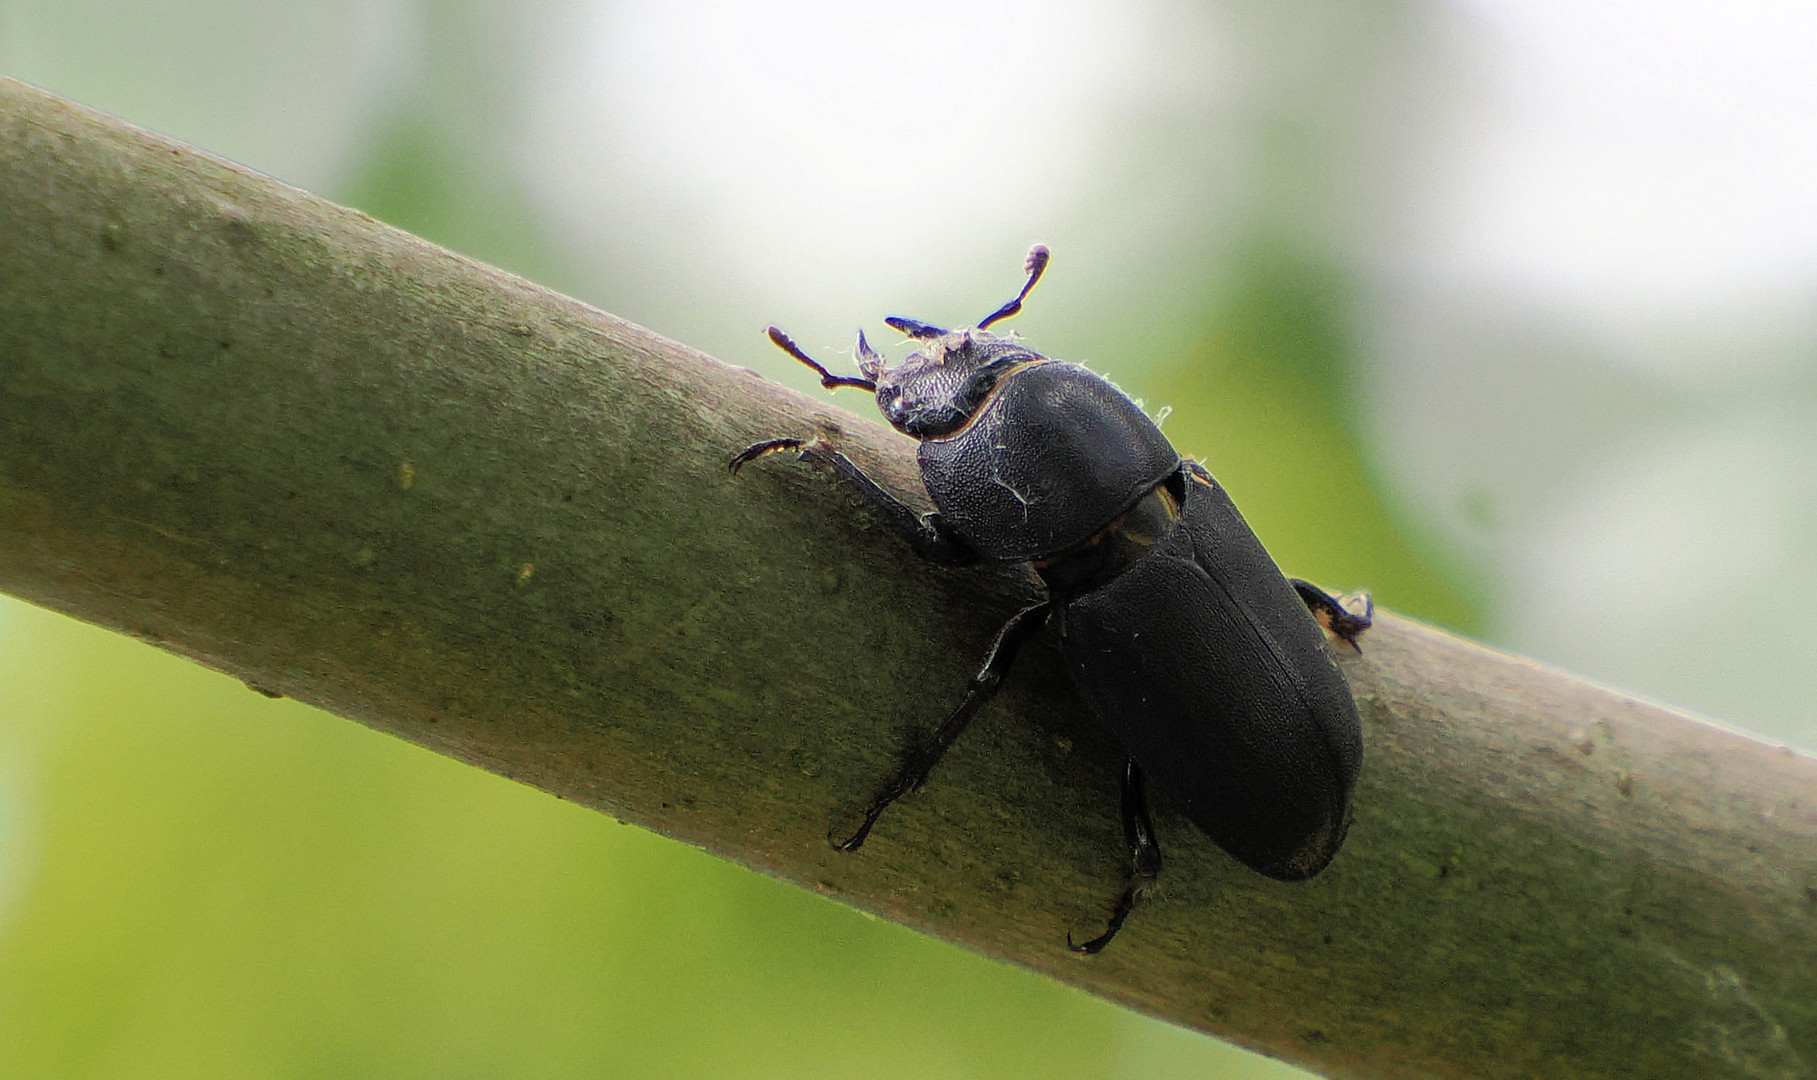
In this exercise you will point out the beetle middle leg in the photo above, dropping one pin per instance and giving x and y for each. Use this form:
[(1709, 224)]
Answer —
[(919, 762), (1144, 858)]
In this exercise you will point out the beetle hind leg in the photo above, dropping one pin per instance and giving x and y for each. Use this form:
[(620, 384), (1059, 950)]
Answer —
[(1333, 615), (1144, 857), (984, 685)]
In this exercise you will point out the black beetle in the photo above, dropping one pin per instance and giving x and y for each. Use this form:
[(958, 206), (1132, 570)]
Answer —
[(1179, 630)]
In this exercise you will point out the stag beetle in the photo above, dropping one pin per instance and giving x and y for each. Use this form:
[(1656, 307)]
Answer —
[(1179, 630)]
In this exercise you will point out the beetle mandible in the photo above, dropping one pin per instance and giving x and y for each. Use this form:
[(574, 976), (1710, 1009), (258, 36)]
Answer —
[(1180, 632)]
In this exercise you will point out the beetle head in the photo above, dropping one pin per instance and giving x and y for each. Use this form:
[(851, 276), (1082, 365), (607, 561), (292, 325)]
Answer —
[(940, 386)]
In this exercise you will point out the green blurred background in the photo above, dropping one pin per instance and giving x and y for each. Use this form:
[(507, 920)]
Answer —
[(1406, 275)]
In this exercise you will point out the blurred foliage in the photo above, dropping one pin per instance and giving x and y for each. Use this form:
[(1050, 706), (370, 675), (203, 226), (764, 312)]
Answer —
[(196, 882), (417, 177), (227, 886), (1266, 401), (221, 885)]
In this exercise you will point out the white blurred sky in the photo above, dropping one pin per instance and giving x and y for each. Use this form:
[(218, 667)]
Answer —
[(814, 138), (1596, 358), (1651, 152), (842, 160)]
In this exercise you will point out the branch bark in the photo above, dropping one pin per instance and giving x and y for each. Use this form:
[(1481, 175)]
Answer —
[(341, 464)]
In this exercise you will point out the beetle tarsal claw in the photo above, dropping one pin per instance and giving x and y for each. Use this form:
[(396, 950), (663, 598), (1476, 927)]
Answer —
[(764, 449), (1138, 889), (1344, 618), (1355, 614), (859, 835)]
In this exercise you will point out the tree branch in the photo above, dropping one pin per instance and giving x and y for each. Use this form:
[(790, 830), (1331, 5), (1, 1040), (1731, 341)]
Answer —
[(344, 465)]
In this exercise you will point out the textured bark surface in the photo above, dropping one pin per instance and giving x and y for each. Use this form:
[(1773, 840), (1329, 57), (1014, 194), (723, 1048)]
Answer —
[(344, 465)]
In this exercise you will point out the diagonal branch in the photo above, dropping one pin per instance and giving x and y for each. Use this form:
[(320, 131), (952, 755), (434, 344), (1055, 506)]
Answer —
[(341, 464)]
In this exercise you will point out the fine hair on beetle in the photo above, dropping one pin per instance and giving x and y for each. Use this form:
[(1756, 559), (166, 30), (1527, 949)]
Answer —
[(1212, 669)]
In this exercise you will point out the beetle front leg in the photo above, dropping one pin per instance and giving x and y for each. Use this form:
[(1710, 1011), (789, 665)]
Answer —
[(984, 686), (1144, 858), (927, 534)]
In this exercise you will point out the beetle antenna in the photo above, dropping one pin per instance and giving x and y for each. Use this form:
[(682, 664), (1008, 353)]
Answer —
[(827, 378), (1034, 267)]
